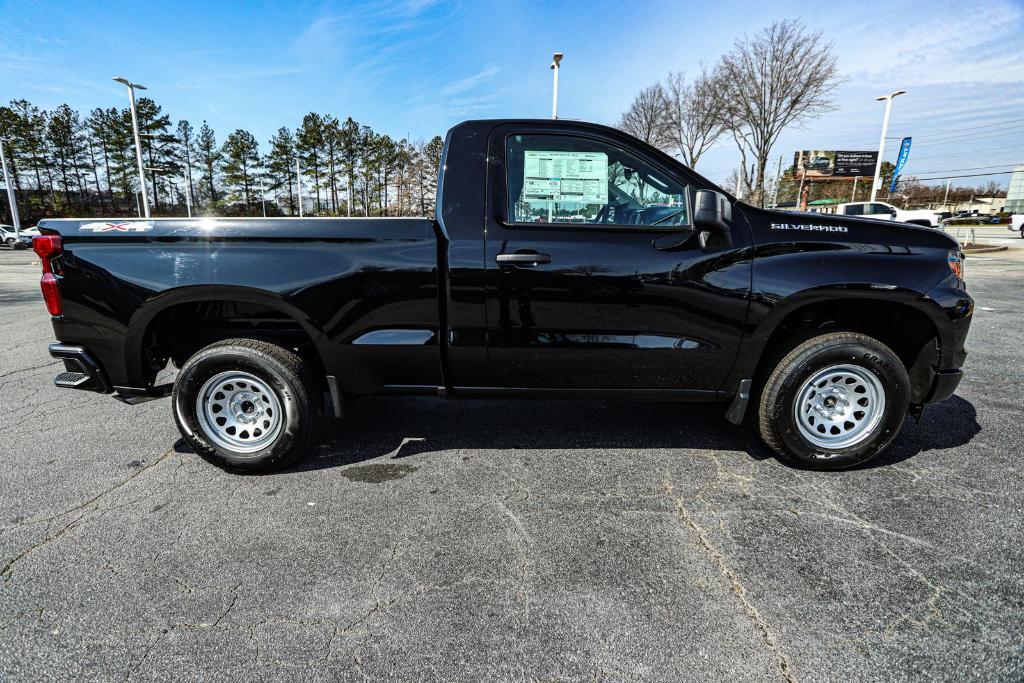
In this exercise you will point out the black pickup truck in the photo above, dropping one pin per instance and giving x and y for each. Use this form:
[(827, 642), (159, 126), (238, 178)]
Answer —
[(565, 259)]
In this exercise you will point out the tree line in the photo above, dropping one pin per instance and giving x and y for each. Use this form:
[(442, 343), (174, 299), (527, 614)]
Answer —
[(63, 163)]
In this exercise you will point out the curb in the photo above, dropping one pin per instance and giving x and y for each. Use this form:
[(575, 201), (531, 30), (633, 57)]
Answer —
[(982, 250)]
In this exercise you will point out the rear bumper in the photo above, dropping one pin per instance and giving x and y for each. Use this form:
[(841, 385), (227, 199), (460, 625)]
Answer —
[(81, 370)]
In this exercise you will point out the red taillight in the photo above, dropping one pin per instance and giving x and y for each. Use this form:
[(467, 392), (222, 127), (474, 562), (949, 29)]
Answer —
[(47, 248), (51, 294), (956, 263)]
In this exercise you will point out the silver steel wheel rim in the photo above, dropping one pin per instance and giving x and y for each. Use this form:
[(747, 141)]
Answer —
[(239, 412), (839, 406)]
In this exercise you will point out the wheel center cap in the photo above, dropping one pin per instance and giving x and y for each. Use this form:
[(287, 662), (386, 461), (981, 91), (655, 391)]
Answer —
[(248, 406)]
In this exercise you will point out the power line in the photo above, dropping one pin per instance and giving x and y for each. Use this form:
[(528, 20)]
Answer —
[(969, 138), (996, 130), (947, 177), (973, 168)]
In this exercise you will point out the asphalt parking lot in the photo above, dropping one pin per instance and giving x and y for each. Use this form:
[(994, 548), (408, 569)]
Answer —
[(510, 540)]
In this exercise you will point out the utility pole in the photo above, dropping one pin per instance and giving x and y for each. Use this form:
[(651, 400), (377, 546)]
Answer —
[(10, 193), (263, 196), (945, 199), (138, 141), (853, 195), (298, 189), (881, 143), (556, 59)]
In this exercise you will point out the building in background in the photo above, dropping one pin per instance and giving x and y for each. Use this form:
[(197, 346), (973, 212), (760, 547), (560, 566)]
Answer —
[(1015, 193)]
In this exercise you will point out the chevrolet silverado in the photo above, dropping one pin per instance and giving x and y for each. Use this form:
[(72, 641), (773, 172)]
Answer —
[(564, 260)]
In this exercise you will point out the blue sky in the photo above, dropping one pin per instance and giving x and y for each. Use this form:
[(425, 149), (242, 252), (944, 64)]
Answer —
[(418, 66)]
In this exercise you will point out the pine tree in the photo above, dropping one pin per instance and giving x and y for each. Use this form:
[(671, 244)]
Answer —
[(349, 158), (332, 153), (209, 159), (158, 146), (241, 158), (309, 143), (279, 163), (64, 135), (187, 141)]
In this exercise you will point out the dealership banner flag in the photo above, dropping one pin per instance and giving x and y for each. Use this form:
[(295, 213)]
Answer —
[(901, 161)]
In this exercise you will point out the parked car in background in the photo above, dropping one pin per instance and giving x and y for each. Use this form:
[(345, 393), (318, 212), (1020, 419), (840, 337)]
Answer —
[(9, 238), (1017, 223), (925, 217)]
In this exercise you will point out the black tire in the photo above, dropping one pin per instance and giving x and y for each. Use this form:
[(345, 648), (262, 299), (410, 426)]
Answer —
[(10, 241), (777, 421), (276, 368)]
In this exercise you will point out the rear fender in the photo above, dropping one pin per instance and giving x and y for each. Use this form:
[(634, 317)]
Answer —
[(141, 321)]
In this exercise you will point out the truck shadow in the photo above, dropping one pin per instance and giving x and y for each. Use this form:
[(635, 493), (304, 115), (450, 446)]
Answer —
[(399, 428)]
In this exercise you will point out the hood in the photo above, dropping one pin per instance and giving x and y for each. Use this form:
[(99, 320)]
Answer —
[(860, 228)]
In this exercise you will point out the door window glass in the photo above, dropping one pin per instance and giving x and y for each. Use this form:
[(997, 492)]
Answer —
[(566, 179), (854, 210)]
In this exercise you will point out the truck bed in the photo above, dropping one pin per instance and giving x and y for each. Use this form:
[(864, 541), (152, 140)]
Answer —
[(356, 287)]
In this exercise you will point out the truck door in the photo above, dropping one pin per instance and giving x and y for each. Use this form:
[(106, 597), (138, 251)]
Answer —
[(595, 277)]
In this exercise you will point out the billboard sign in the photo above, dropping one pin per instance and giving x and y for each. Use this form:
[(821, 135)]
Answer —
[(823, 164)]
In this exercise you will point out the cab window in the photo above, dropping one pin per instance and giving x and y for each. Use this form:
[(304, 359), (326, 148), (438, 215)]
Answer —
[(566, 179), (854, 210)]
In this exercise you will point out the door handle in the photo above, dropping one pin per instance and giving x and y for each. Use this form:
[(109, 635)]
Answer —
[(523, 259)]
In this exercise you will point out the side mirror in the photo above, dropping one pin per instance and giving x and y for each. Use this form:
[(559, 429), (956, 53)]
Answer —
[(712, 214)]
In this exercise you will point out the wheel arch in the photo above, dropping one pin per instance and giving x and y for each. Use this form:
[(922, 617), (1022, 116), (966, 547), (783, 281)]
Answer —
[(152, 318), (902, 319)]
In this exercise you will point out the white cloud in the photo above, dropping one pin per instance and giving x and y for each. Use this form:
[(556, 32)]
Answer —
[(466, 84)]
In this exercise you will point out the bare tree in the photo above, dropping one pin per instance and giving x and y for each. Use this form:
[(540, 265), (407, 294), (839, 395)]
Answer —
[(645, 118), (692, 123), (783, 75)]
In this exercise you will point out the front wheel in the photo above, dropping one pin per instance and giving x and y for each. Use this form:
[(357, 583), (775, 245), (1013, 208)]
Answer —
[(245, 405), (10, 241), (834, 401)]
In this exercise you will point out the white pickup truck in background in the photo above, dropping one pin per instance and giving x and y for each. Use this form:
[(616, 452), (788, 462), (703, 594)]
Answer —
[(926, 217), (1017, 223)]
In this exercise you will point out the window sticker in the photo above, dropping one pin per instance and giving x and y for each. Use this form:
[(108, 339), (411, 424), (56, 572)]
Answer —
[(565, 177)]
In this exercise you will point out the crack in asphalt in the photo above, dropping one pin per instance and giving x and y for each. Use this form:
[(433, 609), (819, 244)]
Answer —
[(720, 562), (88, 506)]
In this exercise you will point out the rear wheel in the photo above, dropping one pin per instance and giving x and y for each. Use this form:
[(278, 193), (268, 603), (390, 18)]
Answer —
[(245, 405), (834, 401)]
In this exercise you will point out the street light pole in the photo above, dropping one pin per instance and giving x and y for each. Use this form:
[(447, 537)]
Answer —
[(188, 189), (881, 143), (556, 59), (10, 192), (298, 177), (138, 141), (263, 196)]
